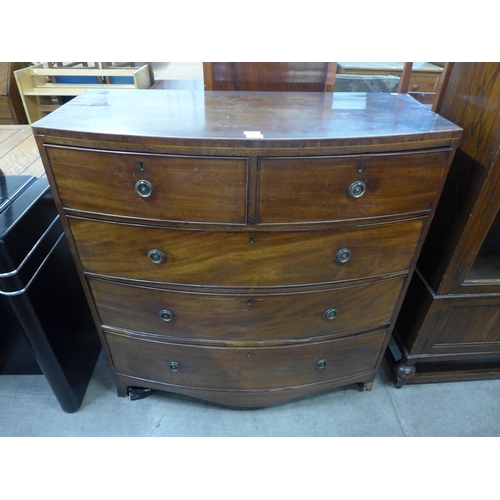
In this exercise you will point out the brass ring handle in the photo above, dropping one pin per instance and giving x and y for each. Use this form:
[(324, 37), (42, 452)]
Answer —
[(343, 255), (357, 189), (156, 257), (166, 315), (144, 188), (331, 313), (320, 364)]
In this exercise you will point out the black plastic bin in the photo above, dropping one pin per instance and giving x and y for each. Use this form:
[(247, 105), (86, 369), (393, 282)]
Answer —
[(45, 322)]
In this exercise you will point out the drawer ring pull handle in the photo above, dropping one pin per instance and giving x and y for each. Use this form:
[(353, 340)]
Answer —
[(343, 255), (320, 364), (144, 188), (174, 366), (156, 257), (166, 315), (331, 313), (357, 189)]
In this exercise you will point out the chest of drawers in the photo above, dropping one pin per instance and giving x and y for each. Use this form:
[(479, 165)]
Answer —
[(245, 248)]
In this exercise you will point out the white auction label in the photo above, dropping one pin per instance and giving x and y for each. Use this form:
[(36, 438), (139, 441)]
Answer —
[(253, 134)]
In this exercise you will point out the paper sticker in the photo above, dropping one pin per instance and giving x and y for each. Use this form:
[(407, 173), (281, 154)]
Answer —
[(253, 134)]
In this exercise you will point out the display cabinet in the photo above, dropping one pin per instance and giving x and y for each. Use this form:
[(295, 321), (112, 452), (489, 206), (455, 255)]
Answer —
[(449, 324)]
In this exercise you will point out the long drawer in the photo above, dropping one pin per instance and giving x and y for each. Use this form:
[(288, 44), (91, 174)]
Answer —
[(244, 259), (249, 368), (347, 187), (156, 187), (246, 318)]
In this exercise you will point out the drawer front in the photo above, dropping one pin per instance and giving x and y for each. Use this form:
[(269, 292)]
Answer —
[(192, 189), (423, 83), (243, 258), (250, 318), (317, 189), (233, 368)]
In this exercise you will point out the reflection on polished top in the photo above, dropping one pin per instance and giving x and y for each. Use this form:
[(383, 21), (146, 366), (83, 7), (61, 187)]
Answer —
[(259, 116)]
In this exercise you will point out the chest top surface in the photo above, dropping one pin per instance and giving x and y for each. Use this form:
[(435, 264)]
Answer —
[(254, 118)]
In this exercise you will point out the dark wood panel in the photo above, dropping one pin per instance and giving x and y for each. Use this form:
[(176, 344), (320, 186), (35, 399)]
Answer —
[(249, 368), (316, 189), (248, 317), (245, 258), (268, 76), (470, 326), (195, 189)]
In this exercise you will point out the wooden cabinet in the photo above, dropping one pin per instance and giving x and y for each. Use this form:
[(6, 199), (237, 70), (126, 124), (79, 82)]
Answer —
[(245, 248), (11, 105), (448, 328)]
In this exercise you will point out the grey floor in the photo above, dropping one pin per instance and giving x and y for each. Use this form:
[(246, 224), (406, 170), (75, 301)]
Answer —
[(454, 409), (29, 408)]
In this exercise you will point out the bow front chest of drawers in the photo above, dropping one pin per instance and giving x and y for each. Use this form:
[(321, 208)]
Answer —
[(245, 248)]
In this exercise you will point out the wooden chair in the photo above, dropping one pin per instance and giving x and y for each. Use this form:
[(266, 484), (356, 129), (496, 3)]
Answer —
[(270, 76)]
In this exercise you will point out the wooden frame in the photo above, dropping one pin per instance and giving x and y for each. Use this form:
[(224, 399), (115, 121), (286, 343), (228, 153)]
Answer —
[(39, 88)]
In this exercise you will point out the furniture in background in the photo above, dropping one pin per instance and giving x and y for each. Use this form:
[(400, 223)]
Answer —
[(46, 325), (11, 105), (434, 98), (111, 65), (424, 76), (245, 248), (270, 76), (366, 83), (42, 88), (449, 325)]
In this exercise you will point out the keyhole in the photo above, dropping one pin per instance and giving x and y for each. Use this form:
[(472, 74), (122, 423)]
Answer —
[(141, 166)]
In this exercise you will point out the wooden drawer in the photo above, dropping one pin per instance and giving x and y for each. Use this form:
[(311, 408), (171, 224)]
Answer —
[(423, 83), (317, 189), (191, 189), (242, 259), (247, 318), (249, 368)]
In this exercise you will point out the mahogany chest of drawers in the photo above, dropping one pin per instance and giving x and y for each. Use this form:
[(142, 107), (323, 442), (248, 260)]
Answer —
[(245, 248)]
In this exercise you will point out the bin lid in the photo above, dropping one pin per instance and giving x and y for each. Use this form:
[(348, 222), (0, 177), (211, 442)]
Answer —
[(29, 230), (11, 186)]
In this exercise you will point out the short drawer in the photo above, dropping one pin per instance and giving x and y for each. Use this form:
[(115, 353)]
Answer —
[(243, 318), (242, 259), (423, 83), (249, 368), (347, 187), (149, 186)]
